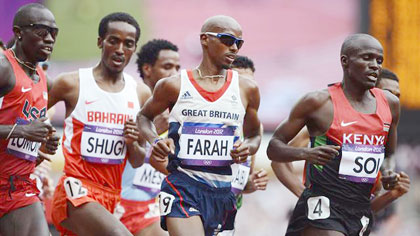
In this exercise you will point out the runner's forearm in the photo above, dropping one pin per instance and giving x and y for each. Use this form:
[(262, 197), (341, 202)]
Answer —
[(136, 154), (147, 128), (285, 173), (279, 151)]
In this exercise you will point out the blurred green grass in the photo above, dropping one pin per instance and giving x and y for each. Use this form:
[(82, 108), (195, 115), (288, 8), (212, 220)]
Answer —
[(78, 21)]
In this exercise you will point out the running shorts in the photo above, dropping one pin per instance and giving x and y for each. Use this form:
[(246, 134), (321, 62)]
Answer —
[(78, 192)]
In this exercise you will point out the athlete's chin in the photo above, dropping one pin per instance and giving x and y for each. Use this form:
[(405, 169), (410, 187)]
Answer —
[(226, 66), (370, 85), (42, 58)]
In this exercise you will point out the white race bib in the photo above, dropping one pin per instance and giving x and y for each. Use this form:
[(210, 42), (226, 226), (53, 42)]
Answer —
[(361, 163), (318, 208), (165, 203), (240, 175), (22, 148), (103, 145), (206, 146), (148, 178), (74, 188)]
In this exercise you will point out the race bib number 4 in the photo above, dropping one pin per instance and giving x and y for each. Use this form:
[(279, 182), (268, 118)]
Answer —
[(361, 163), (318, 208), (148, 178), (208, 146), (22, 148), (103, 145), (240, 174)]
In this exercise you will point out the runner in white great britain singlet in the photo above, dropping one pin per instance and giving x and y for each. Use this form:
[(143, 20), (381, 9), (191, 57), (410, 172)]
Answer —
[(204, 128)]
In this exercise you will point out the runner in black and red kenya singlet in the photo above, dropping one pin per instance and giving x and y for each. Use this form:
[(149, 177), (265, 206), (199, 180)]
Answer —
[(353, 128)]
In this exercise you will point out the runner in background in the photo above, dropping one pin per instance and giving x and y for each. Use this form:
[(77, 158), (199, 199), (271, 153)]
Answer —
[(139, 208)]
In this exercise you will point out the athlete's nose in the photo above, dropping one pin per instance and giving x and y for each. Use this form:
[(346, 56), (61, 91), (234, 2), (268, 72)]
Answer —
[(120, 49)]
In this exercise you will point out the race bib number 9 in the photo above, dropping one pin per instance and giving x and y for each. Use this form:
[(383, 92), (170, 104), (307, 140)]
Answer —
[(103, 145), (206, 146), (22, 148), (148, 178), (165, 203), (361, 163)]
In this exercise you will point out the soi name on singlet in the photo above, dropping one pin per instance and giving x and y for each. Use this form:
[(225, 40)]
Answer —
[(361, 157)]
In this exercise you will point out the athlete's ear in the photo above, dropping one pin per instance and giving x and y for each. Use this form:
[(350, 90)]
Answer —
[(344, 60), (18, 32), (204, 39), (99, 43), (147, 70)]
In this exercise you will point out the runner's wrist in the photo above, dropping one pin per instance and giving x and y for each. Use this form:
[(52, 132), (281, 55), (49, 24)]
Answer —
[(156, 140), (303, 154)]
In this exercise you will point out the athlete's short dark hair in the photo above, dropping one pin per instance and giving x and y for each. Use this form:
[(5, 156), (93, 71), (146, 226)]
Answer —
[(387, 74), (243, 62), (118, 16), (20, 17), (148, 53)]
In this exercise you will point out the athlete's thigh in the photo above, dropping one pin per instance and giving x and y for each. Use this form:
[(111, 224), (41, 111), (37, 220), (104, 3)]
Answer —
[(152, 230), (27, 220), (312, 231), (92, 219), (185, 226)]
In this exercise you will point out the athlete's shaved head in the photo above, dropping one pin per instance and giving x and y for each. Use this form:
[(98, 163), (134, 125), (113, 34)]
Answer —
[(220, 23), (352, 43), (26, 14)]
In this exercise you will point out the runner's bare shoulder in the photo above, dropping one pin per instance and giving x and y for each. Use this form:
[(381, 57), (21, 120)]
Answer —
[(65, 88), (315, 99), (7, 80), (68, 80), (169, 87), (247, 82)]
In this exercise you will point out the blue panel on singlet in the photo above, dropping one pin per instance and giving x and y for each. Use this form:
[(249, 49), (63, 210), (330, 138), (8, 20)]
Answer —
[(129, 191)]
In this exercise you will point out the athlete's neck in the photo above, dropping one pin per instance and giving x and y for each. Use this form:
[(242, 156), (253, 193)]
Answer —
[(21, 57), (354, 91), (108, 81), (210, 71), (102, 73), (149, 84)]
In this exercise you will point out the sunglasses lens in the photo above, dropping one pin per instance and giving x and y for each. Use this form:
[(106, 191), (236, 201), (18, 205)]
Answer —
[(239, 43), (227, 40), (43, 30)]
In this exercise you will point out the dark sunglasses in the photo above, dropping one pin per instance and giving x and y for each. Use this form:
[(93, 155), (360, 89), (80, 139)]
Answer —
[(227, 39), (42, 30)]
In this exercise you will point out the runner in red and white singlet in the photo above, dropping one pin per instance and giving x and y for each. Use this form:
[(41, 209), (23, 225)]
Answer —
[(100, 133)]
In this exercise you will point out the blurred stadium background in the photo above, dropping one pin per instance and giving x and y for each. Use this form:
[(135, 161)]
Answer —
[(295, 46)]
